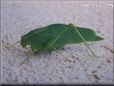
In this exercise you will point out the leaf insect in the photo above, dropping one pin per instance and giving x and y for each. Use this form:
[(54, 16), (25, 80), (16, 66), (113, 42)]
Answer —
[(54, 36)]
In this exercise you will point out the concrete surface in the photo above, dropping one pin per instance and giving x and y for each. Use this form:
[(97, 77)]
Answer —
[(69, 65)]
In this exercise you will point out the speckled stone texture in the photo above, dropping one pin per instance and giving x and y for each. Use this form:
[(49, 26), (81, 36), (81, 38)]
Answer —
[(72, 64)]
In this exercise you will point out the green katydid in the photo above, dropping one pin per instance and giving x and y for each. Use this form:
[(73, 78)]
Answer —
[(54, 36)]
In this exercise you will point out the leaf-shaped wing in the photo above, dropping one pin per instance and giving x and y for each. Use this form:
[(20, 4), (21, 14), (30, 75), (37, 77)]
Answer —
[(56, 35)]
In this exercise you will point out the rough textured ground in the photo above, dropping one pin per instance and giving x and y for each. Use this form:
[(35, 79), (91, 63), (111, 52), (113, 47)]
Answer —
[(69, 65)]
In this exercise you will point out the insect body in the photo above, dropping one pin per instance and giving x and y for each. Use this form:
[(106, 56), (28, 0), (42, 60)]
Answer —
[(57, 35)]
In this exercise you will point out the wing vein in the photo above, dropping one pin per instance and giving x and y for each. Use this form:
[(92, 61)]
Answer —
[(57, 37)]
